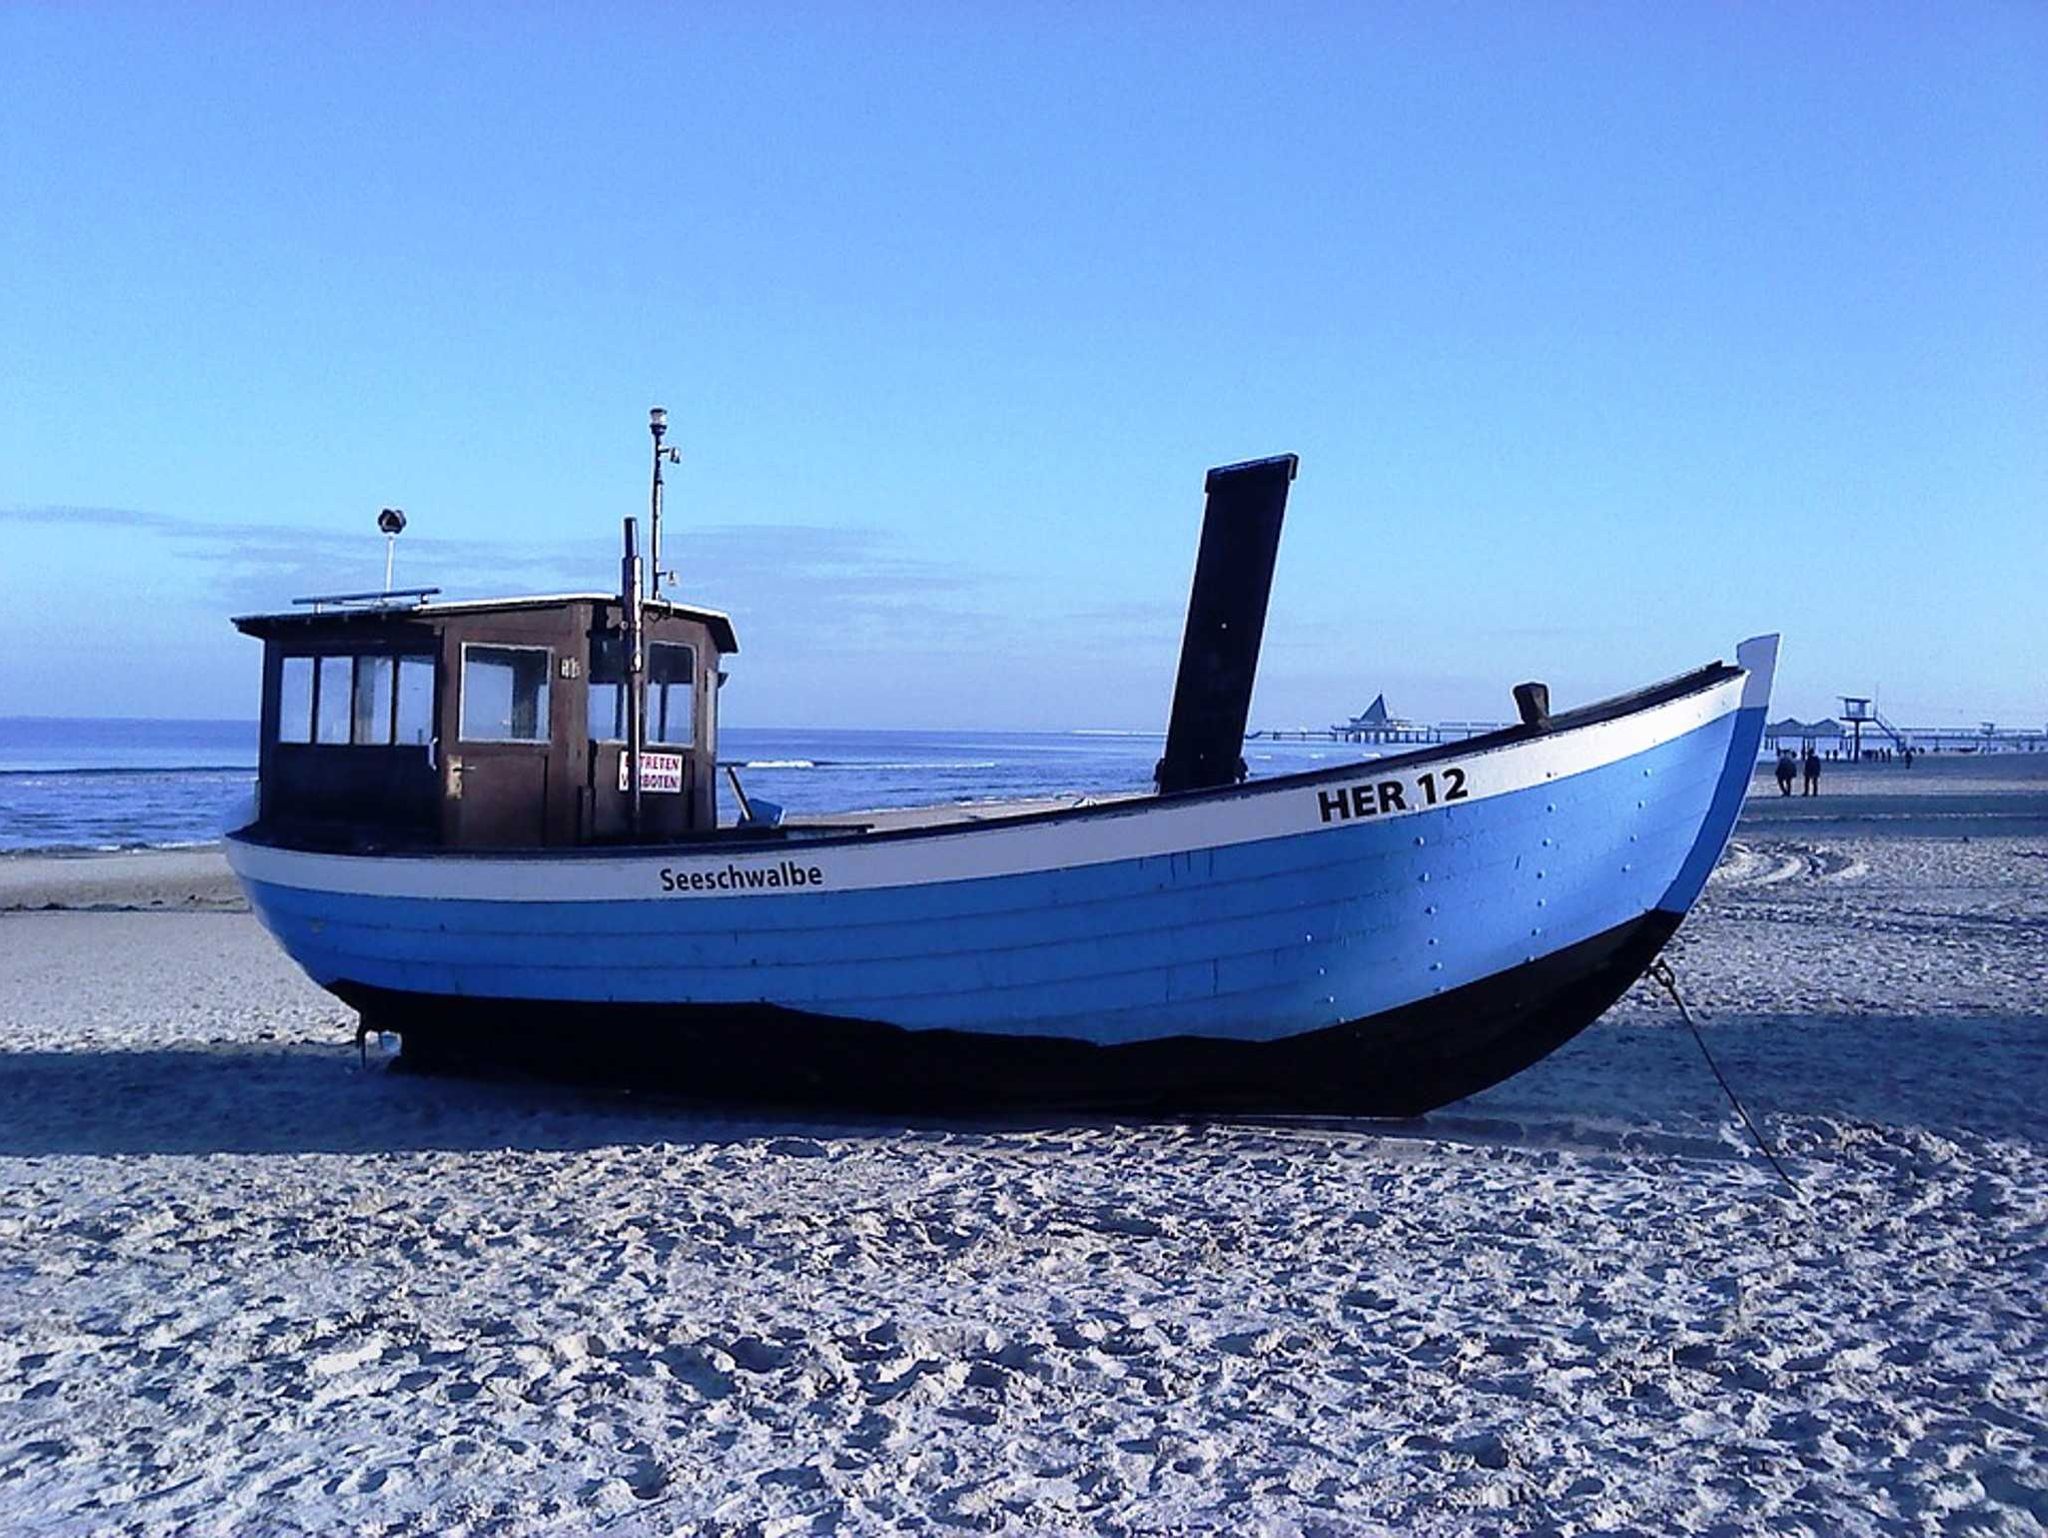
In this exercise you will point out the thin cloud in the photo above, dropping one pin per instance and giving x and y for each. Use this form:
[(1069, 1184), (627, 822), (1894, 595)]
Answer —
[(851, 589)]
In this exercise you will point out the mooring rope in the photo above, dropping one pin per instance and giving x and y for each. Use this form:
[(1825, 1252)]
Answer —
[(1660, 969)]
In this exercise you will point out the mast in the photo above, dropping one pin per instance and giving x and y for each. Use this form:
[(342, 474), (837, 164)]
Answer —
[(1219, 649), (657, 424)]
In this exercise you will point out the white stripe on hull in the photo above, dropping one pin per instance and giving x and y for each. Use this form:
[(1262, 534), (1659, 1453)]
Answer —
[(1143, 829)]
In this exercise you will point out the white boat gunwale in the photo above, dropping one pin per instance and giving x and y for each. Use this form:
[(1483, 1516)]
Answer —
[(744, 843)]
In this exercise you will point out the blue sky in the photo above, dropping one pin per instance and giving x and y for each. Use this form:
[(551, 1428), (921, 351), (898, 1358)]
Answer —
[(1607, 336)]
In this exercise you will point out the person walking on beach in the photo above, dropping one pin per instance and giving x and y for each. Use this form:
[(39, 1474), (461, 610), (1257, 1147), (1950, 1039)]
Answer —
[(1812, 771), (1786, 769)]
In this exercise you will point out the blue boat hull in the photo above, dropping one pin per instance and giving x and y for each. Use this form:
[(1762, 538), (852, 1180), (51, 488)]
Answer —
[(1399, 1063), (1378, 939)]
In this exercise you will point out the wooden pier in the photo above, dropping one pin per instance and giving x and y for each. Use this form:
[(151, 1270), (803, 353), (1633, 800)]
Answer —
[(1862, 730)]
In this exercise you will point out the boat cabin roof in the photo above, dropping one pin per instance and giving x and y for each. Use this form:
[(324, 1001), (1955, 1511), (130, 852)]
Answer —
[(324, 611)]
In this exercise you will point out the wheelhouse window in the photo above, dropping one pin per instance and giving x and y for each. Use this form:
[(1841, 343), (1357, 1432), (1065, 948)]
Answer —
[(607, 691), (505, 693), (415, 713), (370, 721), (671, 691), (372, 699), (295, 701), (331, 712)]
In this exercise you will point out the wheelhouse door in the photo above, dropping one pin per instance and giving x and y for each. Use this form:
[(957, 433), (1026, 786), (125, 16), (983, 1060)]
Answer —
[(499, 770)]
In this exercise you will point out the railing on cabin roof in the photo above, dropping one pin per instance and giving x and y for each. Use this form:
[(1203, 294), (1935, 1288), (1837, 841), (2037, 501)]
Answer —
[(412, 598)]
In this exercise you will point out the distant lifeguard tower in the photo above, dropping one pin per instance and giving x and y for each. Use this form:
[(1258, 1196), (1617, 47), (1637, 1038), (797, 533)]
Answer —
[(1859, 711), (1855, 712)]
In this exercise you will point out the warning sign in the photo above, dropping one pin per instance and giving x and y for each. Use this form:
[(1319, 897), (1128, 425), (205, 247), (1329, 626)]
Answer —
[(660, 773)]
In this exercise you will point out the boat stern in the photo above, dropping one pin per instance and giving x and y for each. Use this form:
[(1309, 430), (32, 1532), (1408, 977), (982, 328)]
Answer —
[(277, 908)]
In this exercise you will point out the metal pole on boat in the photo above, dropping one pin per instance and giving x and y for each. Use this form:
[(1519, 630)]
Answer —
[(657, 424), (635, 660)]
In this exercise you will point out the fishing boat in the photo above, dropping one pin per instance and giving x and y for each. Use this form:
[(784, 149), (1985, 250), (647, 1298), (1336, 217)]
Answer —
[(496, 829)]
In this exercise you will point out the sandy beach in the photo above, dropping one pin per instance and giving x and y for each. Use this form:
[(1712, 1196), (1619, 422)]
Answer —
[(249, 1284)]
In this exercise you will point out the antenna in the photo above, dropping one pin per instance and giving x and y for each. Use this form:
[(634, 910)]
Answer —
[(392, 522), (657, 424)]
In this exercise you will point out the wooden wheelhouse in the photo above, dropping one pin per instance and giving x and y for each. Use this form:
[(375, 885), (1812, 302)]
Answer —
[(395, 723)]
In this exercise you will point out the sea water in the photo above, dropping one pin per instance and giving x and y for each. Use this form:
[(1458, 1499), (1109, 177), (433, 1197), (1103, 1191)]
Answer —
[(89, 785), (77, 786)]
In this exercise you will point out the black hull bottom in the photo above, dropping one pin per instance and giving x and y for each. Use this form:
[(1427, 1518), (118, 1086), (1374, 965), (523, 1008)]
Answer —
[(1400, 1063)]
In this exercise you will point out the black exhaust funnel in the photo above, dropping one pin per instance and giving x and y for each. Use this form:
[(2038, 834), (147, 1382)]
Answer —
[(1219, 651)]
